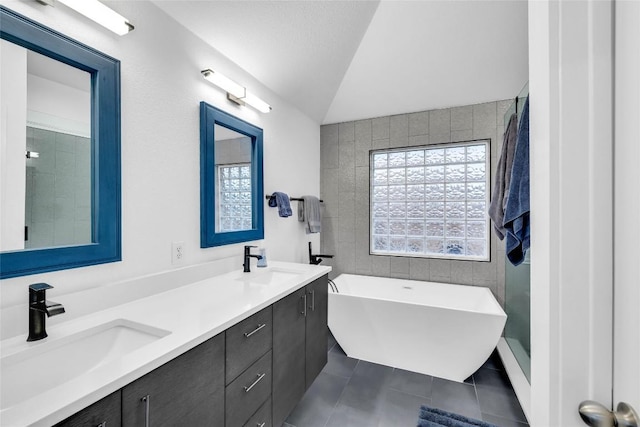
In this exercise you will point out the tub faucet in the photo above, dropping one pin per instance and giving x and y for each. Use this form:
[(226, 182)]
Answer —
[(38, 307), (316, 259), (247, 258)]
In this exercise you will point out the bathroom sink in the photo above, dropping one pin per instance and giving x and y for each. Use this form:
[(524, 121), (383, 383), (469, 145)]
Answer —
[(43, 365), (268, 276)]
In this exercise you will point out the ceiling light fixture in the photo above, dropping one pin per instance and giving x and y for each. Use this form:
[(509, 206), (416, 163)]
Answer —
[(235, 92), (99, 13)]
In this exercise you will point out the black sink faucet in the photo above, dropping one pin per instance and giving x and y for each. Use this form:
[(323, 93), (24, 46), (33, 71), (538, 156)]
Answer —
[(38, 307), (247, 258)]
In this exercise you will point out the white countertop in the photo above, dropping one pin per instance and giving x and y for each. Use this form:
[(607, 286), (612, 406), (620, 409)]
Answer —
[(192, 313)]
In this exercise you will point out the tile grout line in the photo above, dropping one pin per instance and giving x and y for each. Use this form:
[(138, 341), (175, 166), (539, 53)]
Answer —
[(341, 394)]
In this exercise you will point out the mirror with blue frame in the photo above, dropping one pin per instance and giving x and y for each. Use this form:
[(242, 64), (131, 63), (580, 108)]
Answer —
[(231, 185), (60, 189)]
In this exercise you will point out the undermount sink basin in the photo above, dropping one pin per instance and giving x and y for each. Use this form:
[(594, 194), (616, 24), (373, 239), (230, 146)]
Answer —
[(51, 362), (268, 276)]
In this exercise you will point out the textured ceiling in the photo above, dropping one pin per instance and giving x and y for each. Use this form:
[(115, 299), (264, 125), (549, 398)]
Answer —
[(345, 60)]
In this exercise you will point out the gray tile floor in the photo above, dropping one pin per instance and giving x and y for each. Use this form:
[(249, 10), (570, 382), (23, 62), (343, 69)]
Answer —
[(354, 393)]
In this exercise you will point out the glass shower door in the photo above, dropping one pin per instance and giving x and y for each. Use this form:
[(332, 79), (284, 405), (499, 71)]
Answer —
[(517, 331)]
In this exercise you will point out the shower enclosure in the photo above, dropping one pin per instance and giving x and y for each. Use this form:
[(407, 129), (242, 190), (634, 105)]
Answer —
[(517, 333)]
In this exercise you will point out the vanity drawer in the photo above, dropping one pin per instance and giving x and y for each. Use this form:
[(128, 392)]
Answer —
[(262, 417), (248, 392), (247, 342)]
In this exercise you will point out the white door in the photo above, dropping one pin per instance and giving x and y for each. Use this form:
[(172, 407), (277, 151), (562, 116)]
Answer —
[(626, 222), (626, 348), (585, 206)]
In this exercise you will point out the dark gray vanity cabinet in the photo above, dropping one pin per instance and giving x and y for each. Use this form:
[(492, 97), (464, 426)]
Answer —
[(252, 374), (103, 413), (299, 345), (289, 332), (187, 391), (316, 330)]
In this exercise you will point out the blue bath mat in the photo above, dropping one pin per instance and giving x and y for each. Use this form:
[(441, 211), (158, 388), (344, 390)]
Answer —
[(433, 417)]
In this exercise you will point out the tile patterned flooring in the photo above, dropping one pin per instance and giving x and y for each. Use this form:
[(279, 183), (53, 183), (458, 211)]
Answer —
[(354, 393)]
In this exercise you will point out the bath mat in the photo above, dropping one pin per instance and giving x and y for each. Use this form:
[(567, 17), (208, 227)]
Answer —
[(433, 417)]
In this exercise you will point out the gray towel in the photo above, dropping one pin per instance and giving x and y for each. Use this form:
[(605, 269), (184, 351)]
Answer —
[(503, 177), (309, 212)]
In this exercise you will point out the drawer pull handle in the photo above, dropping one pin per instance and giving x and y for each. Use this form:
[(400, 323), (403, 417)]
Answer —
[(260, 377), (313, 300), (304, 305), (147, 400), (260, 326), (261, 425)]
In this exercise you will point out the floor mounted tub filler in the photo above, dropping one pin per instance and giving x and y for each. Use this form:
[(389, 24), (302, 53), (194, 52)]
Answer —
[(439, 329)]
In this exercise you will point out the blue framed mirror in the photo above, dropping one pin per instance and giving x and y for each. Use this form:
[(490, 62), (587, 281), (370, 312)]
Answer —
[(61, 192), (231, 186)]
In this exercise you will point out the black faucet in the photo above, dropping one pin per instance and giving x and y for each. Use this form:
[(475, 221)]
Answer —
[(247, 258), (316, 259), (38, 307)]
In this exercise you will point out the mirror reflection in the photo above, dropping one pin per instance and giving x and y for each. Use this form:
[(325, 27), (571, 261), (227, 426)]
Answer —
[(233, 176), (46, 152)]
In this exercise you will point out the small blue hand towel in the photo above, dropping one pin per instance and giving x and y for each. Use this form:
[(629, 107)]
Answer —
[(517, 211), (281, 200)]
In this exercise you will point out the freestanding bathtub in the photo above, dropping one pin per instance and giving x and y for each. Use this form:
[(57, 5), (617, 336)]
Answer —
[(439, 329)]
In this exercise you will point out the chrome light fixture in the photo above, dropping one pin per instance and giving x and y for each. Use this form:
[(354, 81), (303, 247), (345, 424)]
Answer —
[(235, 92), (99, 13)]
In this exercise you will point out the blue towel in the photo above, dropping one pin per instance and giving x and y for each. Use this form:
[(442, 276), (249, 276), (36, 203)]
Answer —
[(433, 417), (281, 200), (517, 211)]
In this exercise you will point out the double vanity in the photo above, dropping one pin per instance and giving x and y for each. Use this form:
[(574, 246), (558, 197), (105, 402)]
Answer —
[(232, 350)]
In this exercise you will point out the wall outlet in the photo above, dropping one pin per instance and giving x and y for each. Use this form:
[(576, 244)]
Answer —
[(177, 252)]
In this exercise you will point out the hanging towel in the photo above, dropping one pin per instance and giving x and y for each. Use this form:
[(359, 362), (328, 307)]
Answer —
[(281, 200), (503, 177), (309, 212), (517, 211)]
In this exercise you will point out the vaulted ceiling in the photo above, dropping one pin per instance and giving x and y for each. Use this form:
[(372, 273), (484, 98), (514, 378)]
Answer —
[(345, 60)]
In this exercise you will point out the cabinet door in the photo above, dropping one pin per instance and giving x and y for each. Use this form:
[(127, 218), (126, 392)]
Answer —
[(316, 343), (288, 354), (103, 413), (187, 391)]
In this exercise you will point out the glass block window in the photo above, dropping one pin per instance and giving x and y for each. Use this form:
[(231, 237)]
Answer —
[(234, 197), (431, 201)]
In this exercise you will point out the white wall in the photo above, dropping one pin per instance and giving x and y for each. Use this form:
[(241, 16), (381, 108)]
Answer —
[(161, 90), (58, 107)]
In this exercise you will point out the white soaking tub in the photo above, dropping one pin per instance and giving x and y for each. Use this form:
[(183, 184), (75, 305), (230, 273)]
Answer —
[(444, 330)]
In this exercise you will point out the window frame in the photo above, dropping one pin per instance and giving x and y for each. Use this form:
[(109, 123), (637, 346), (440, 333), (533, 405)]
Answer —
[(487, 199)]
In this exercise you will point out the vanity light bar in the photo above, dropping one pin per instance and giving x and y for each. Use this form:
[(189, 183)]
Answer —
[(235, 92), (101, 14)]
